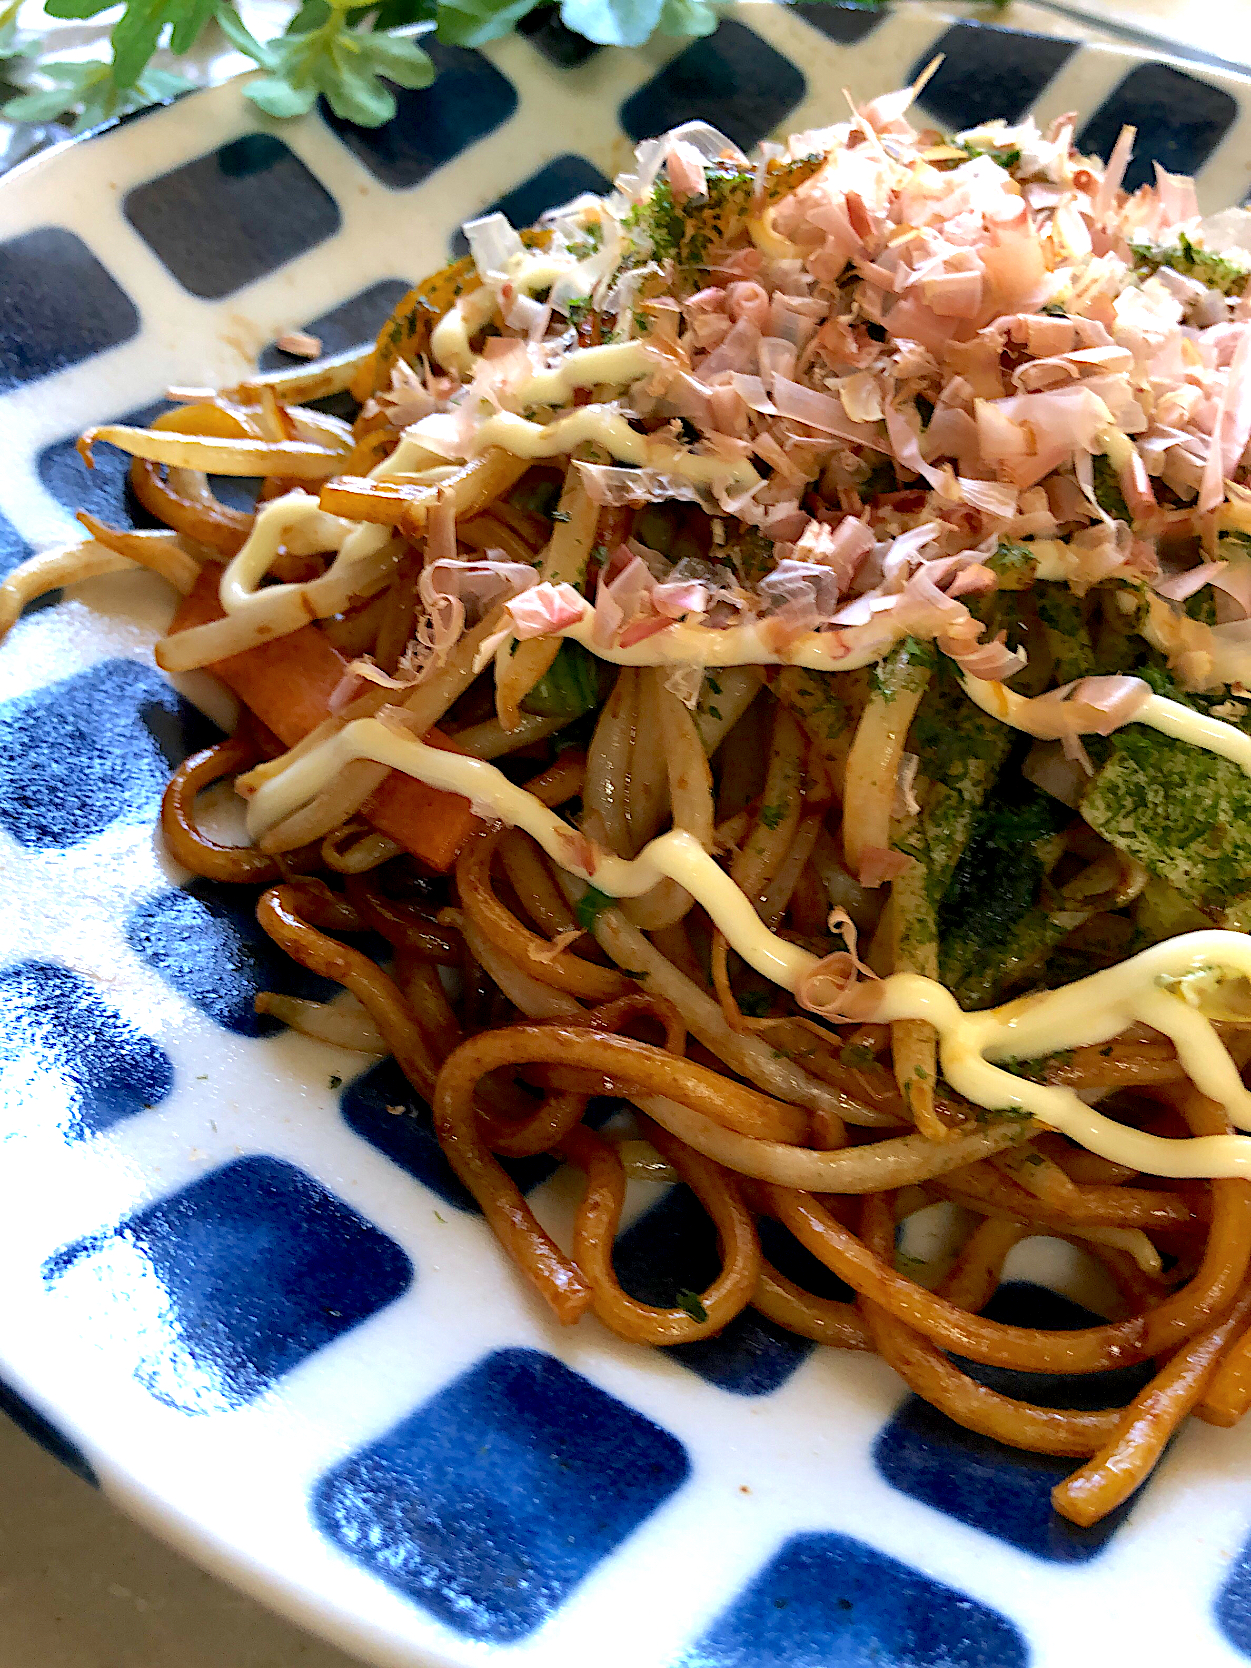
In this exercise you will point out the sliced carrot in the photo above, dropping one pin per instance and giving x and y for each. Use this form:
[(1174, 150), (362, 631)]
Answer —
[(288, 684)]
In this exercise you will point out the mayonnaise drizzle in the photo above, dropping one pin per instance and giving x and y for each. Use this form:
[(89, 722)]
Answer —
[(686, 643), (609, 429), (1144, 989), (1171, 718)]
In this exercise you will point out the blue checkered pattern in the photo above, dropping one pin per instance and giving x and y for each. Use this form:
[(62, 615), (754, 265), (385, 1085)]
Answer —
[(481, 1485)]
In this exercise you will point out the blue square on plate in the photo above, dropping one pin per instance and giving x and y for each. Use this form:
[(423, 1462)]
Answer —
[(384, 1109), (105, 489), (488, 1505), (60, 306), (1000, 1490), (468, 99), (828, 1601), (673, 1248), (844, 24), (732, 79), (1233, 1603), (13, 547), (350, 324), (205, 941), (67, 1059), (1180, 121), (988, 72), (230, 1283), (562, 179), (230, 217), (91, 751)]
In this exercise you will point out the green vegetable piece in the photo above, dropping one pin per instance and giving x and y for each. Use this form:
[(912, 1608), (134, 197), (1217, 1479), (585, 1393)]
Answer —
[(1108, 494), (755, 1003), (961, 750), (568, 688), (693, 1305), (1014, 564), (588, 907), (1064, 624), (689, 232), (1225, 273), (992, 925), (1184, 813)]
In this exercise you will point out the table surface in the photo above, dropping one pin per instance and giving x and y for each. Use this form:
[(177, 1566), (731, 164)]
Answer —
[(81, 1586)]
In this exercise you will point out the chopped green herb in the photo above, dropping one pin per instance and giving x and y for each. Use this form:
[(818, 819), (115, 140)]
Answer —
[(568, 688), (1183, 813), (856, 1055), (589, 906), (1007, 156), (992, 926), (772, 816), (691, 1303), (755, 1003), (1014, 564), (336, 1082), (1108, 494), (1064, 624), (1219, 272)]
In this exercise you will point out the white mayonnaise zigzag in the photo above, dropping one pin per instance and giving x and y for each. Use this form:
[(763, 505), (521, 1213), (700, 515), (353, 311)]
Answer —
[(1151, 989)]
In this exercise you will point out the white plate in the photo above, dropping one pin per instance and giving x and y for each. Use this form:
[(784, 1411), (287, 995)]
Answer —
[(243, 1294)]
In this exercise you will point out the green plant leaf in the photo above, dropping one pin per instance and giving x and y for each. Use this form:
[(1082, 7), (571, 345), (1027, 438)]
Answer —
[(687, 17), (15, 42), (138, 32), (189, 17), (279, 98), (356, 94), (76, 8), (612, 22), (399, 58), (236, 32), (43, 106), (134, 38), (474, 22), (399, 14), (158, 86)]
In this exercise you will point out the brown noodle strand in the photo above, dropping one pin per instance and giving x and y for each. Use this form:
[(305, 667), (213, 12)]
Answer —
[(1149, 1421), (208, 522), (563, 970), (823, 1319), (543, 1132), (1123, 1207), (540, 1260), (279, 914), (1041, 1430), (595, 1229), (973, 1278), (1090, 1350), (1228, 1396), (243, 865), (405, 926)]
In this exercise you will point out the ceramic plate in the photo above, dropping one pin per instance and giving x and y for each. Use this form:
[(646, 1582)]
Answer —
[(242, 1290)]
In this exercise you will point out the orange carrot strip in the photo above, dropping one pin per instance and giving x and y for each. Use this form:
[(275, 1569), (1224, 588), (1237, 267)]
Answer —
[(288, 684)]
